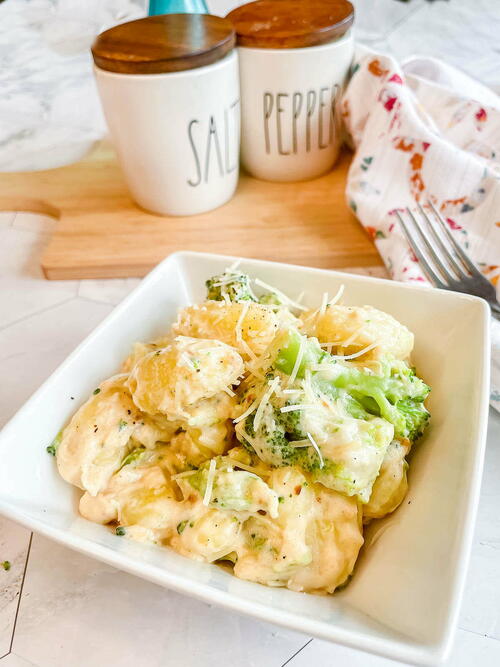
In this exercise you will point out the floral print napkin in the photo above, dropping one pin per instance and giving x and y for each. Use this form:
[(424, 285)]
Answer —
[(425, 131)]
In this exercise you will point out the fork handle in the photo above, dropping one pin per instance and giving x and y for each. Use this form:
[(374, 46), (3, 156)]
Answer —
[(495, 310)]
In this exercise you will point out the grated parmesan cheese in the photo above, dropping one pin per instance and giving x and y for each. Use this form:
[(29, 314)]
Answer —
[(188, 339), (263, 402), (210, 483), (243, 314), (283, 296), (312, 315), (366, 349), (373, 362), (351, 338), (298, 361), (187, 361), (248, 411), (307, 385), (263, 360), (300, 443), (300, 406), (224, 281), (338, 296), (253, 371), (324, 303), (186, 473), (234, 266), (239, 429), (300, 297), (239, 334), (318, 451), (319, 312), (345, 357)]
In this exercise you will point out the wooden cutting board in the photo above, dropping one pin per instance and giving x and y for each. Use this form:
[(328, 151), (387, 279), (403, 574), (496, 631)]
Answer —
[(102, 234)]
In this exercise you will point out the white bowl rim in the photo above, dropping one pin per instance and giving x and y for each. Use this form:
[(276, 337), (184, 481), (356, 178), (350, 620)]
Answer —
[(420, 653)]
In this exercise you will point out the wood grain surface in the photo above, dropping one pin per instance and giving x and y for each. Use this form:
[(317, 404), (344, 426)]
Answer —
[(102, 234), (288, 24), (167, 43)]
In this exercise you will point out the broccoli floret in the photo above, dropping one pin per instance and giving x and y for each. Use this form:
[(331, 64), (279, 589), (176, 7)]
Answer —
[(406, 383), (355, 408), (231, 284), (291, 422), (274, 446), (249, 429), (289, 349), (363, 394), (277, 447), (304, 457), (236, 490), (416, 417), (381, 396), (280, 446)]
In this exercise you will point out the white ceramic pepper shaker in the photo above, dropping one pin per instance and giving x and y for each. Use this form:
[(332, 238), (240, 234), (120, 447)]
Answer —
[(294, 61)]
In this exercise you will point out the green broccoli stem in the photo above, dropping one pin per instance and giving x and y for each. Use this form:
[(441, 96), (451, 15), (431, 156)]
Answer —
[(397, 396), (289, 350)]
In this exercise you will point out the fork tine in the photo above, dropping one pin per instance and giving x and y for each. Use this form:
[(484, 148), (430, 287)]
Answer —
[(438, 261), (446, 255), (426, 267), (469, 265)]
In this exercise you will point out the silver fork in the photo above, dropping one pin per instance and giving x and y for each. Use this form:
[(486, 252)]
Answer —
[(442, 259)]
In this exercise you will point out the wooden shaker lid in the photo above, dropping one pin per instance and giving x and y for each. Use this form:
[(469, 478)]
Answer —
[(167, 43), (291, 24)]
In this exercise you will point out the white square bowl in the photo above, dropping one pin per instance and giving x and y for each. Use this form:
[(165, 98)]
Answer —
[(404, 598)]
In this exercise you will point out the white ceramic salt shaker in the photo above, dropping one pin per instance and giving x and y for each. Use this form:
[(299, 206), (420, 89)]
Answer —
[(170, 92)]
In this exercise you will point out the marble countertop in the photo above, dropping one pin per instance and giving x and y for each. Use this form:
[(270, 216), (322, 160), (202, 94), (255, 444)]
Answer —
[(61, 609)]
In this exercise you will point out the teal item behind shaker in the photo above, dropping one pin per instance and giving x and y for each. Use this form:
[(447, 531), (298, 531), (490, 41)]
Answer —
[(177, 7)]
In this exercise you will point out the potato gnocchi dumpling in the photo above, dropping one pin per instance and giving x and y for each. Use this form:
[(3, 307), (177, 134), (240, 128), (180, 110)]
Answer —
[(152, 429), (97, 438), (391, 485), (250, 436), (172, 379), (248, 327), (141, 496), (140, 350), (350, 329), (336, 537), (282, 552)]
